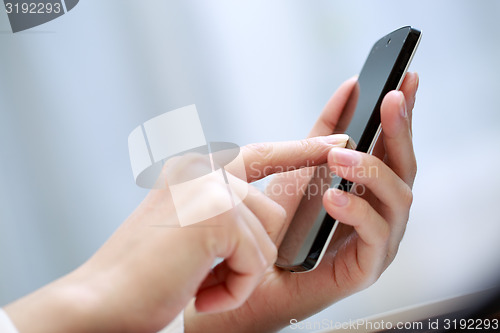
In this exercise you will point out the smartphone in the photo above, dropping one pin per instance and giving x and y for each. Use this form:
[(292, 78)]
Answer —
[(311, 230)]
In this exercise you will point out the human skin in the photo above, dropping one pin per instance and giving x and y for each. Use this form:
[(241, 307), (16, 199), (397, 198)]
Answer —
[(368, 238), (151, 267), (143, 276)]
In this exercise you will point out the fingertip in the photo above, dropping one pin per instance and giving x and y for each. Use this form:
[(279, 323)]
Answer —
[(394, 113), (337, 198), (403, 112), (334, 139), (393, 99), (344, 157), (410, 84)]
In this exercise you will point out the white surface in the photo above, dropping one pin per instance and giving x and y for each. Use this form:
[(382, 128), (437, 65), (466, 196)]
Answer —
[(6, 325)]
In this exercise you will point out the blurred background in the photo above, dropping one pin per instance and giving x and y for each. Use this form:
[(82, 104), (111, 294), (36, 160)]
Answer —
[(73, 89)]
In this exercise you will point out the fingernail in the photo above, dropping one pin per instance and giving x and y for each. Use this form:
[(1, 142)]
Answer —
[(402, 106), (335, 139), (347, 157), (338, 197)]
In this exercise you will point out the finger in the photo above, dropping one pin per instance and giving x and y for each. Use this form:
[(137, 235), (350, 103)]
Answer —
[(409, 89), (272, 216), (257, 227), (355, 211), (285, 187), (331, 114), (216, 276), (263, 159), (372, 229), (397, 137), (227, 293), (371, 172), (266, 245), (287, 190), (246, 265)]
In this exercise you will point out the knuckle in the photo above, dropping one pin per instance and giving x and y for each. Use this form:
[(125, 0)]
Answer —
[(371, 165), (371, 279), (413, 170), (305, 145), (262, 263), (281, 214), (367, 171), (407, 196), (196, 160), (214, 204), (190, 158), (391, 255), (264, 151), (272, 254), (385, 233), (171, 163), (193, 157), (188, 163), (363, 207)]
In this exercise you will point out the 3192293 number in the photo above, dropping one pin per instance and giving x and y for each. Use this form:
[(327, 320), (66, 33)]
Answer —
[(33, 8), (471, 324)]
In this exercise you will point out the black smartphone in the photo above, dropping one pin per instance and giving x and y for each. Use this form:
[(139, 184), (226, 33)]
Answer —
[(311, 229)]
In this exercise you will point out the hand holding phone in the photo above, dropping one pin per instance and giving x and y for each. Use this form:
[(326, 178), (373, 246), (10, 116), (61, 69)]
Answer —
[(361, 254), (311, 230)]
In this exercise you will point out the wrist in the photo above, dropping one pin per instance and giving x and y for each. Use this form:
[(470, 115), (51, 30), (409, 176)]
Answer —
[(62, 306), (231, 321)]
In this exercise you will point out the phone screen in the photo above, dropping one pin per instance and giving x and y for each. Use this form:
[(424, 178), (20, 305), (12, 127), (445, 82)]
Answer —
[(311, 228), (380, 74)]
